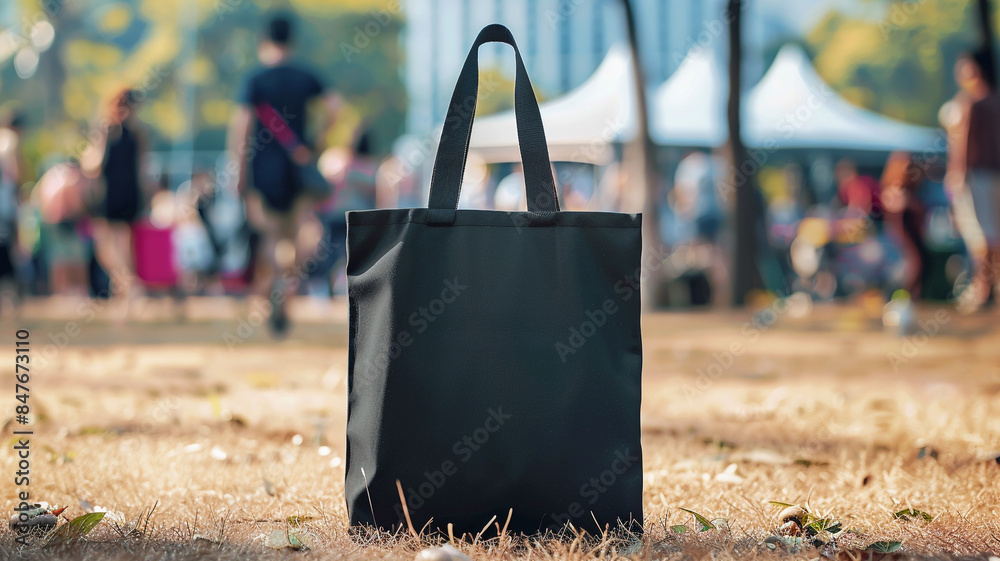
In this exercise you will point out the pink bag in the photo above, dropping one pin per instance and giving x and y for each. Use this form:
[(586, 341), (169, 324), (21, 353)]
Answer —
[(154, 255)]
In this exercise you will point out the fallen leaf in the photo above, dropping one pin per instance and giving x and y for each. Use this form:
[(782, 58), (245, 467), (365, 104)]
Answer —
[(281, 539), (885, 547), (706, 524), (199, 538), (75, 528), (913, 514), (269, 487), (729, 475)]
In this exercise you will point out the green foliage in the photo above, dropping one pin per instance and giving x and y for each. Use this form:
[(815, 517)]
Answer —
[(705, 523), (913, 514), (189, 65), (897, 59), (885, 547), (74, 529), (780, 504)]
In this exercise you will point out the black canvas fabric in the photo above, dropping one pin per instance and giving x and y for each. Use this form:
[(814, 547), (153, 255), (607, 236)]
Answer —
[(495, 357)]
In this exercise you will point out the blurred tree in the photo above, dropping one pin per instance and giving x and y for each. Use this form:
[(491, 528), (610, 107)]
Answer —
[(746, 214), (899, 62), (101, 45), (987, 40), (643, 149)]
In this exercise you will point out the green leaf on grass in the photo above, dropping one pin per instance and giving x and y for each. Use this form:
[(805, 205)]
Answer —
[(825, 525), (885, 547), (912, 513), (75, 528), (679, 529), (706, 524), (781, 504), (280, 539)]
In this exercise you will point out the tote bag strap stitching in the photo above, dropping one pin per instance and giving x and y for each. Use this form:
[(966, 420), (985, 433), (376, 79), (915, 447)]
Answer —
[(449, 163)]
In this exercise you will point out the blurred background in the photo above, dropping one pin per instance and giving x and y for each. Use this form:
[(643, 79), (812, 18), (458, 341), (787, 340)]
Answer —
[(805, 160)]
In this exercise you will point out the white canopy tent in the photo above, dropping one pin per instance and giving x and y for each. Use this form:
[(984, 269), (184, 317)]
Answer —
[(580, 126), (792, 107), (689, 108)]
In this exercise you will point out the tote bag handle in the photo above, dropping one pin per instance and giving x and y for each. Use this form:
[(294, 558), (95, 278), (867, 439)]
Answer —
[(449, 164)]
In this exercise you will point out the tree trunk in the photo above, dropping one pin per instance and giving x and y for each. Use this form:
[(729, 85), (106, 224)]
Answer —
[(644, 153), (986, 34), (745, 274)]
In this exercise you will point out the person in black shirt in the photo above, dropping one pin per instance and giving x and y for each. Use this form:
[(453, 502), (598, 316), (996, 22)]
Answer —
[(268, 175)]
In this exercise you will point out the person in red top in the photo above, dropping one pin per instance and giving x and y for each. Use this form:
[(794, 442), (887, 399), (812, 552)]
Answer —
[(860, 193)]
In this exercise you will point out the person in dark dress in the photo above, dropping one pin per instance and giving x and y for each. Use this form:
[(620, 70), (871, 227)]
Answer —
[(268, 176), (116, 159)]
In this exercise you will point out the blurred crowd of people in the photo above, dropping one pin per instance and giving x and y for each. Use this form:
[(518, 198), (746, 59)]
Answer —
[(104, 225), (916, 226), (269, 218)]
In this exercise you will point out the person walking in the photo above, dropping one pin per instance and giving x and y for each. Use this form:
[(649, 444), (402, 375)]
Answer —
[(973, 172), (905, 215), (276, 97), (115, 160), (356, 190)]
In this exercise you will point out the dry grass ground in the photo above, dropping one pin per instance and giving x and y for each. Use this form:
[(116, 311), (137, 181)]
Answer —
[(227, 444)]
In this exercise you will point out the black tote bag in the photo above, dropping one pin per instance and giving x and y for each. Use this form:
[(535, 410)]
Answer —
[(495, 357)]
